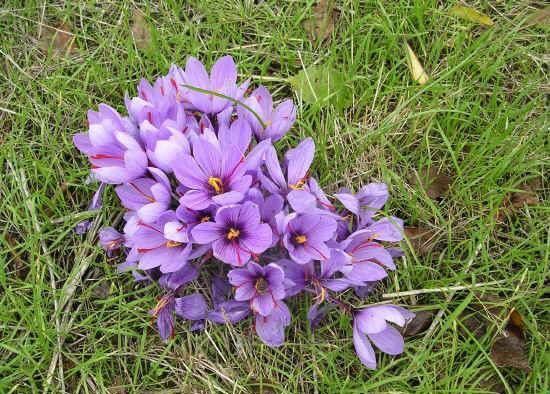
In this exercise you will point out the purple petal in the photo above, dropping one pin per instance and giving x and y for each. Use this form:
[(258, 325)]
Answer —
[(207, 232), (258, 241), (230, 253), (389, 341), (363, 348), (196, 200), (302, 201), (229, 312), (191, 307), (299, 160), (263, 304)]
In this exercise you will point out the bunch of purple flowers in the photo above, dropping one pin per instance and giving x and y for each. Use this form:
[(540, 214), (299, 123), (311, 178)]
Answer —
[(195, 166)]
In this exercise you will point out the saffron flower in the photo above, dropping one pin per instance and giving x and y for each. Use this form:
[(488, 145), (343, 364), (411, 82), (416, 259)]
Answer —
[(306, 235), (211, 209), (276, 121), (262, 286), (111, 146), (371, 324), (157, 249), (212, 176), (222, 80), (236, 234)]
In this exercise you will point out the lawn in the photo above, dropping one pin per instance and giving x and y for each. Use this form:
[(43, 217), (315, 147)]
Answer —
[(70, 323)]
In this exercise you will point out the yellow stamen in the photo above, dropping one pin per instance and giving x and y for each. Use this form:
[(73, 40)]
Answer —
[(300, 239), (261, 285), (205, 219), (298, 185), (172, 244), (216, 184), (233, 234)]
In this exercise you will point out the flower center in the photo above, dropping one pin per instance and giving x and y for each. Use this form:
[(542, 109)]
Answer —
[(300, 239), (172, 244), (233, 234), (205, 219), (298, 185), (261, 285), (216, 184)]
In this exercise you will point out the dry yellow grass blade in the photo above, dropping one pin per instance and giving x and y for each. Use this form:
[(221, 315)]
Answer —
[(471, 15), (417, 71)]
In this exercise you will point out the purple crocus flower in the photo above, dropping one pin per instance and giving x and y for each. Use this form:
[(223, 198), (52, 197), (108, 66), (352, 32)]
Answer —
[(263, 287), (163, 312), (191, 307), (212, 176), (368, 260), (368, 200), (115, 154), (222, 79), (226, 310), (305, 237), (110, 240), (165, 143), (277, 121), (236, 234), (297, 161), (156, 248), (371, 324), (389, 229), (154, 103), (271, 328), (148, 197)]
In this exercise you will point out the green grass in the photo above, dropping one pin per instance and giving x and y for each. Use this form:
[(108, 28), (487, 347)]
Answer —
[(481, 118)]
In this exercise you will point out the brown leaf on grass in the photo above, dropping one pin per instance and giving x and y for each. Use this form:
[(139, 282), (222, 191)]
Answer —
[(422, 239), (539, 17), (434, 181), (471, 15), (415, 67), (419, 324), (526, 195), (140, 31), (57, 39), (508, 348), (321, 25)]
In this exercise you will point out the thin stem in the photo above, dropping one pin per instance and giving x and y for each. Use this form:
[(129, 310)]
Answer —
[(234, 101)]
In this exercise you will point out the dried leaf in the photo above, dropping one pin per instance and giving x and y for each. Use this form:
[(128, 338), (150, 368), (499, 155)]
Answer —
[(417, 71), (140, 31), (471, 15), (508, 351), (320, 27), (508, 348), (322, 85), (58, 39), (526, 195), (434, 181), (419, 324), (422, 239), (540, 17)]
